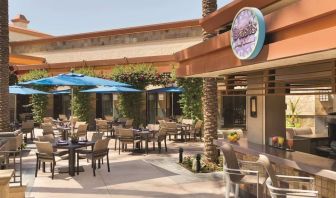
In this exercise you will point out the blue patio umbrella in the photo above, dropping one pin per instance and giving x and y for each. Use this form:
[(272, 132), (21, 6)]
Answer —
[(56, 92), (168, 90), (73, 79), (106, 89), (19, 90)]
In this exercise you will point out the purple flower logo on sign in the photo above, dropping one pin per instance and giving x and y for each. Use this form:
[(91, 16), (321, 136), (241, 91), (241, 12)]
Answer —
[(247, 33)]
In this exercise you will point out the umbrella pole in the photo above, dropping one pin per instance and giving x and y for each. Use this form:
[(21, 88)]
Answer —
[(15, 108), (72, 109), (172, 104)]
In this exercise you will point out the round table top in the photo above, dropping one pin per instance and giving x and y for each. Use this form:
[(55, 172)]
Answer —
[(73, 146)]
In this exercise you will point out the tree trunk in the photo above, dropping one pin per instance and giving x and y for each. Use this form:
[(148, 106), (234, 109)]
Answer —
[(4, 67), (209, 95)]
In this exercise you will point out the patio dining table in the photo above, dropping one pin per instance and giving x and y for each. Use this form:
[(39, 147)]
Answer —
[(72, 157), (144, 135)]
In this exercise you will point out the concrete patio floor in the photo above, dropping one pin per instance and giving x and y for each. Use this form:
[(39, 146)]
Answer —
[(132, 175)]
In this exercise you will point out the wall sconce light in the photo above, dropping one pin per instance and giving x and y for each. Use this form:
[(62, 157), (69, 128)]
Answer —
[(253, 106)]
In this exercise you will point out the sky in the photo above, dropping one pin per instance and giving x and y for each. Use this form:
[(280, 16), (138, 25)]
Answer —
[(61, 17)]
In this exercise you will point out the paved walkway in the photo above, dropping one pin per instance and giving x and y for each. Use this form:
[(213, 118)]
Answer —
[(132, 175)]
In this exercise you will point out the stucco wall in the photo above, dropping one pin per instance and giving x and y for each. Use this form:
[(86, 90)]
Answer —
[(165, 47), (15, 36)]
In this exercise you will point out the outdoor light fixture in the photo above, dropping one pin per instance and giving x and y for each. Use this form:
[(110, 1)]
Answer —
[(253, 106)]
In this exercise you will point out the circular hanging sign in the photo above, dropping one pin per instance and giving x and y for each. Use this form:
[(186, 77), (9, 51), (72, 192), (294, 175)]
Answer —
[(247, 33)]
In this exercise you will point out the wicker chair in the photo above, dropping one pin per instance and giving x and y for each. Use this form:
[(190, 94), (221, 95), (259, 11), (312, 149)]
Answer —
[(171, 129), (47, 129), (159, 137), (108, 117), (235, 175), (100, 150), (196, 130), (45, 154), (48, 120), (28, 127), (102, 126), (274, 187), (129, 123), (62, 117), (126, 136), (82, 130), (46, 138)]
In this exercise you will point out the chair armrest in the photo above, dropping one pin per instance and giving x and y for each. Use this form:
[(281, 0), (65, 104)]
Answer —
[(295, 178), (240, 171)]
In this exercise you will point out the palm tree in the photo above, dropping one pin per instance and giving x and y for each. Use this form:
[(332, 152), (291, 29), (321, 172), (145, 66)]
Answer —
[(4, 67), (209, 95)]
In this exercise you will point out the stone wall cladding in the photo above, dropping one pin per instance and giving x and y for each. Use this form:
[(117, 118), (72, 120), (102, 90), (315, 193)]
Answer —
[(131, 38), (326, 187)]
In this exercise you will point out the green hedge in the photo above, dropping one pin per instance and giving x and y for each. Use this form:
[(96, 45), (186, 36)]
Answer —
[(39, 102), (191, 99), (140, 76)]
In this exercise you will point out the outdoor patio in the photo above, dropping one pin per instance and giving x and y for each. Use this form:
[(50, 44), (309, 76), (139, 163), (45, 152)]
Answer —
[(132, 175)]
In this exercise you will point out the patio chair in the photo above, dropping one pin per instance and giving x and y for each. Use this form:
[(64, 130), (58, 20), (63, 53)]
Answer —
[(127, 136), (47, 129), (62, 117), (79, 123), (100, 150), (129, 123), (196, 130), (274, 181), (28, 127), (159, 137), (102, 126), (116, 134), (46, 154), (235, 175), (108, 117), (51, 139), (171, 129), (82, 130), (48, 120), (96, 136), (46, 138)]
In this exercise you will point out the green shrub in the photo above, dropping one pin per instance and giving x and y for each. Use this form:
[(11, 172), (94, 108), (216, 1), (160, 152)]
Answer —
[(191, 99), (39, 102), (140, 76)]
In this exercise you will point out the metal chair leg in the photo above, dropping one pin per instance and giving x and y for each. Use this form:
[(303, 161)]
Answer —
[(108, 161), (37, 165)]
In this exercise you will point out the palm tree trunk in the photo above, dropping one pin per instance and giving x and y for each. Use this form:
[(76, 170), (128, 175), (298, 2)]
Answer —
[(4, 67), (209, 95)]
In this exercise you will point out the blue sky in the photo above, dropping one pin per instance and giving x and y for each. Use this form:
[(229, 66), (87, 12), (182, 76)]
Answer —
[(59, 17)]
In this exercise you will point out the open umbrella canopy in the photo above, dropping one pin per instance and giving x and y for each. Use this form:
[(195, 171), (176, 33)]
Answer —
[(15, 89), (113, 89), (167, 89), (56, 92), (73, 79)]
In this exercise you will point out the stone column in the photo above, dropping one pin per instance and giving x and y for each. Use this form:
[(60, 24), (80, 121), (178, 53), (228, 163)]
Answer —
[(5, 176)]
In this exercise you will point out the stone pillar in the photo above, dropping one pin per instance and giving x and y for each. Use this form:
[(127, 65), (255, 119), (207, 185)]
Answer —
[(5, 176), (271, 114)]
